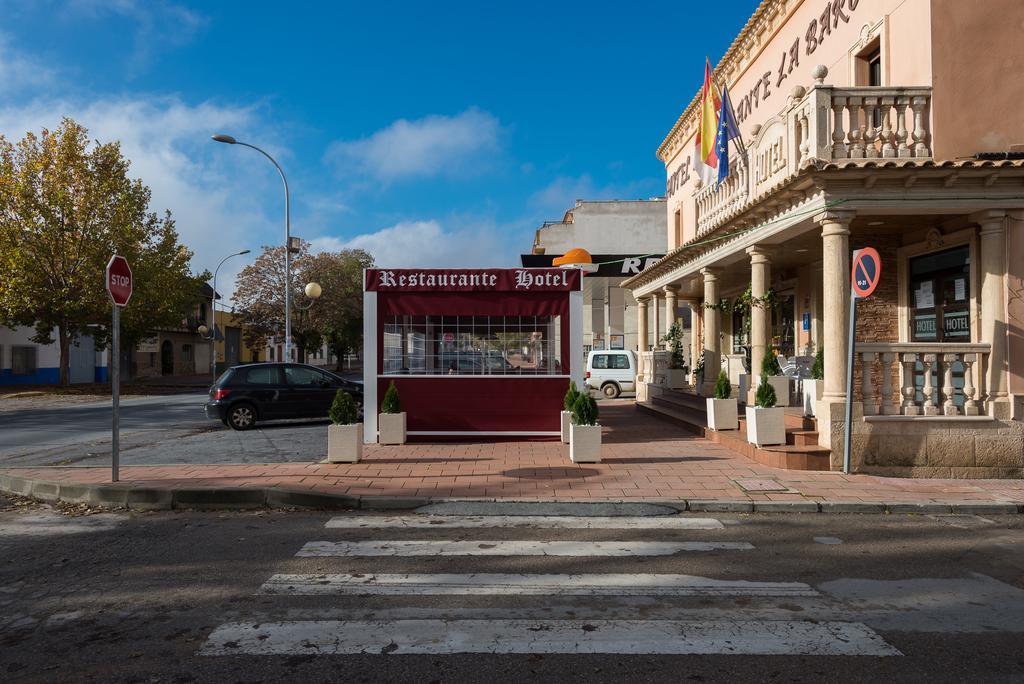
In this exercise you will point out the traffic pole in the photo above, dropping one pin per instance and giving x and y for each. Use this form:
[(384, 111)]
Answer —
[(115, 391), (849, 384)]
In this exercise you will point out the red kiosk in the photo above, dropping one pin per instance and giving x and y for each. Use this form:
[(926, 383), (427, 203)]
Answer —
[(482, 352)]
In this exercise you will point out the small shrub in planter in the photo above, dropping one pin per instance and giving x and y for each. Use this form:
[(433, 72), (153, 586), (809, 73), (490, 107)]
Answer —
[(766, 422), (584, 432), (722, 411), (391, 421), (345, 434), (770, 369), (676, 375), (698, 372), (814, 386), (567, 403)]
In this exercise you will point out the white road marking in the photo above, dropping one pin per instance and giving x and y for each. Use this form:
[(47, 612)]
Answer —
[(668, 522), (528, 585), (828, 540), (513, 548), (435, 637)]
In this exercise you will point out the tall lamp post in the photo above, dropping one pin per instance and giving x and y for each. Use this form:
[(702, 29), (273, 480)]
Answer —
[(228, 140), (213, 316)]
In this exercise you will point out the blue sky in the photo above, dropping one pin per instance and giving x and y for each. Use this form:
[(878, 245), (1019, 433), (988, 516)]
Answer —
[(432, 134)]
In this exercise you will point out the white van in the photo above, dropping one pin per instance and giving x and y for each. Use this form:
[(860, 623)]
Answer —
[(611, 372)]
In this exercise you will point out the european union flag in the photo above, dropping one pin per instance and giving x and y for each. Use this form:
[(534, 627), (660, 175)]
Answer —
[(728, 129)]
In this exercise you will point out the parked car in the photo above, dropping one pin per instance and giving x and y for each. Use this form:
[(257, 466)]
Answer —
[(611, 372), (251, 393)]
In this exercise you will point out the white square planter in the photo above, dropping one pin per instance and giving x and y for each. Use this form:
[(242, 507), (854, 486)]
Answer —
[(812, 393), (345, 443), (675, 378), (391, 428), (766, 426), (566, 422), (722, 414), (585, 443), (781, 385)]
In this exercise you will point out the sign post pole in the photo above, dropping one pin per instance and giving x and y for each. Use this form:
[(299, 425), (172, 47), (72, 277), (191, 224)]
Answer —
[(867, 269), (115, 390), (119, 287)]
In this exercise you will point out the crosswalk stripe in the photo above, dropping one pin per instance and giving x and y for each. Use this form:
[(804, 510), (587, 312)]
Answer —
[(668, 522), (436, 637), (486, 584), (513, 548)]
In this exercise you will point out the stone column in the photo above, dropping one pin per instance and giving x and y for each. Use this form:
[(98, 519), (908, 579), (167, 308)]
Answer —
[(641, 336), (655, 322), (835, 239), (993, 302), (671, 295), (695, 319), (760, 317), (712, 360)]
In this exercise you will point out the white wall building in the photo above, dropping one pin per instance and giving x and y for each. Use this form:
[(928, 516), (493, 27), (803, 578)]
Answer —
[(24, 362)]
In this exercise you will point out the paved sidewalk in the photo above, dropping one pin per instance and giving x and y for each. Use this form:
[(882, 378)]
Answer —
[(644, 459)]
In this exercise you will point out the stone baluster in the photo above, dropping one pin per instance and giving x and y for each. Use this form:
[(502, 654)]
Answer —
[(867, 387), (886, 136), (856, 135), (838, 148), (870, 132), (929, 361), (970, 405), (910, 407), (805, 142), (917, 104), (902, 148), (890, 406), (948, 393)]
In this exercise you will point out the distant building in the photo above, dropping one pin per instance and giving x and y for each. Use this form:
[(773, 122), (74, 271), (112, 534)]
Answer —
[(23, 362), (624, 236)]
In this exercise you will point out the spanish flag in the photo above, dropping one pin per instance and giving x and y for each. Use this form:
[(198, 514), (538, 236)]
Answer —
[(705, 159)]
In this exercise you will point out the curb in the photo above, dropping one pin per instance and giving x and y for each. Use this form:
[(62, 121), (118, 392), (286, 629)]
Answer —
[(219, 498)]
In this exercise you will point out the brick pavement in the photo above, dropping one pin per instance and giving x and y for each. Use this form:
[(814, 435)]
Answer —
[(644, 458)]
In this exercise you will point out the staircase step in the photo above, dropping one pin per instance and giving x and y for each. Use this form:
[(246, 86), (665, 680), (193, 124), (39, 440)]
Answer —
[(802, 437)]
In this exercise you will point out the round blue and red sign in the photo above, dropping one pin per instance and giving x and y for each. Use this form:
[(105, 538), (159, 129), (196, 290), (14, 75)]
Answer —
[(867, 270)]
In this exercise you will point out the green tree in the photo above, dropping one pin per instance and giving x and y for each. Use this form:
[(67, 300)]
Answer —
[(66, 206), (338, 315)]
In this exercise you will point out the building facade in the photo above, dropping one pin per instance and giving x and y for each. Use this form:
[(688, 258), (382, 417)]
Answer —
[(24, 362), (867, 124), (624, 236)]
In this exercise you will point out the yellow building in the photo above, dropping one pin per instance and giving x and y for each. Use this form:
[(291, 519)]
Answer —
[(230, 346), (891, 124)]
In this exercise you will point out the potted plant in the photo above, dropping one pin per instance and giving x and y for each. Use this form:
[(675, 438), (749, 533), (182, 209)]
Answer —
[(698, 372), (345, 434), (675, 377), (766, 422), (780, 383), (391, 422), (722, 411), (584, 432), (815, 384), (567, 402)]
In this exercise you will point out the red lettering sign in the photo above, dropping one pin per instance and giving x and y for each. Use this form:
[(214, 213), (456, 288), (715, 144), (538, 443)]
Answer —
[(473, 280)]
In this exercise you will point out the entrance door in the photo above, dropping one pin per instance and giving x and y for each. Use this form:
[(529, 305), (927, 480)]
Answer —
[(232, 345), (82, 360), (167, 358)]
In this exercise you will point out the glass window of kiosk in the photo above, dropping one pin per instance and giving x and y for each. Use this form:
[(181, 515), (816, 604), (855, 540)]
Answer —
[(940, 308), (472, 345)]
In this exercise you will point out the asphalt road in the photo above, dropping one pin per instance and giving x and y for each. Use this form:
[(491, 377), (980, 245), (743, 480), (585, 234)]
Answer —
[(278, 596), (154, 430)]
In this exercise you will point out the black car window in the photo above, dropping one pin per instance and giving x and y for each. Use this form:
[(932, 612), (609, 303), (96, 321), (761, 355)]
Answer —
[(305, 377), (264, 375), (600, 361), (621, 362)]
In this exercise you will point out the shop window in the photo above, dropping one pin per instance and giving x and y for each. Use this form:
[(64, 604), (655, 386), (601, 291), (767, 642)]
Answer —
[(24, 360), (940, 296), (784, 325), (472, 345), (740, 333)]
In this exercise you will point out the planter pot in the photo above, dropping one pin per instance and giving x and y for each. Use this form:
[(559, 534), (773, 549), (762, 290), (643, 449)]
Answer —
[(781, 385), (812, 393), (391, 428), (766, 426), (585, 443), (722, 414), (566, 422), (345, 443), (675, 378)]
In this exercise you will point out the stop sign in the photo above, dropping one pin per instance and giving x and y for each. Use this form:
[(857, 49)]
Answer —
[(119, 280)]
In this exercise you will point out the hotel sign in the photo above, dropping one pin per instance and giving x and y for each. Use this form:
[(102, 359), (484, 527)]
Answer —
[(473, 280)]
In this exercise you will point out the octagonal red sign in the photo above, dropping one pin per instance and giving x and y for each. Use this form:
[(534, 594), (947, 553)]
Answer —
[(119, 280)]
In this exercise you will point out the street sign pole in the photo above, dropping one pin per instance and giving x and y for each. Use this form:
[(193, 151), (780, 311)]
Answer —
[(849, 384), (115, 390), (864, 276)]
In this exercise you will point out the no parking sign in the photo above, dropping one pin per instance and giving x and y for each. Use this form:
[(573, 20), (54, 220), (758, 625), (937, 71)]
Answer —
[(864, 277), (867, 268)]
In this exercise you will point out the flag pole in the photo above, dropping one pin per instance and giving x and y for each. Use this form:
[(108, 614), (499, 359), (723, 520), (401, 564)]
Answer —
[(739, 139)]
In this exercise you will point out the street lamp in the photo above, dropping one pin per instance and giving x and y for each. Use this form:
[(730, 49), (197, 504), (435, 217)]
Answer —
[(213, 316), (229, 140)]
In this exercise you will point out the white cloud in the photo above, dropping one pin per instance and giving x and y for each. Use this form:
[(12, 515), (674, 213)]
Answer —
[(431, 146), (18, 71), (222, 200), (560, 195), (427, 244)]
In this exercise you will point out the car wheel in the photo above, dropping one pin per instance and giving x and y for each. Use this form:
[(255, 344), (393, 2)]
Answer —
[(242, 417), (610, 390)]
